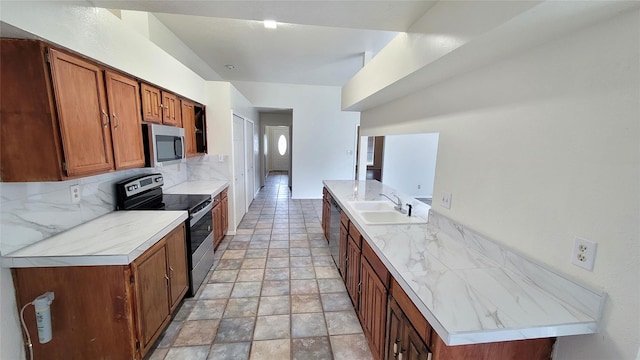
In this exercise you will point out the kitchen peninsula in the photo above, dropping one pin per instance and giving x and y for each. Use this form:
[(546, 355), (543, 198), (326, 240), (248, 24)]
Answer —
[(469, 290)]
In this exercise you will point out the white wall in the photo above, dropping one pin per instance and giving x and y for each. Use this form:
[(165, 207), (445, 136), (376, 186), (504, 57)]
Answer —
[(540, 148), (322, 133), (409, 160)]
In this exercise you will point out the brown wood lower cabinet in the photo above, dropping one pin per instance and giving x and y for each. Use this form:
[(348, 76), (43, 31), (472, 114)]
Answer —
[(342, 248), (326, 212), (391, 322), (531, 349), (352, 281), (373, 309), (220, 213), (111, 312), (403, 341)]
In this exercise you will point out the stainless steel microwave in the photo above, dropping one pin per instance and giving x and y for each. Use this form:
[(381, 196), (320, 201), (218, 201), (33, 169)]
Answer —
[(164, 145)]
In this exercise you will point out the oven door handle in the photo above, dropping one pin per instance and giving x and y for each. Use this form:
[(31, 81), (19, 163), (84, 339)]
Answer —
[(195, 217)]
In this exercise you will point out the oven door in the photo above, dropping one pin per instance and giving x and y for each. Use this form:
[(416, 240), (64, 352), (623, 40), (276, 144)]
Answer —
[(200, 247)]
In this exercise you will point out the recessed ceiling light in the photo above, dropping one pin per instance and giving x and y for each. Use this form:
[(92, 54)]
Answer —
[(270, 24), (230, 67)]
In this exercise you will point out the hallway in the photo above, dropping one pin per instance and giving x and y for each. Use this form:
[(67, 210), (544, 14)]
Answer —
[(274, 292)]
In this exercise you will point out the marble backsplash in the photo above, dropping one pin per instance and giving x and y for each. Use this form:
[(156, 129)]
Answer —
[(584, 299), (30, 212), (209, 167)]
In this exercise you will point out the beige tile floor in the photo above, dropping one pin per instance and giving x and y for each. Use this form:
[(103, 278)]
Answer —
[(273, 293)]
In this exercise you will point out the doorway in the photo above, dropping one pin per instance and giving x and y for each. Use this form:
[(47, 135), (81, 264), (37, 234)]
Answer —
[(278, 153)]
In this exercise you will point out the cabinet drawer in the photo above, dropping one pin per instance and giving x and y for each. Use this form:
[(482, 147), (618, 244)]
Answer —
[(376, 264), (344, 219), (355, 234)]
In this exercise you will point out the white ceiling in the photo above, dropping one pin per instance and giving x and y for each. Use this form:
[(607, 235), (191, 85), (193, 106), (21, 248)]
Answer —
[(316, 42)]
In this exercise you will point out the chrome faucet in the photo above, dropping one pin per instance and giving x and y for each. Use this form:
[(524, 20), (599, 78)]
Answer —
[(398, 203)]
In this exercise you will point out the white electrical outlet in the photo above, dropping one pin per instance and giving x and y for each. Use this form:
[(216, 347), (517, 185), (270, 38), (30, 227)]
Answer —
[(584, 253), (445, 200), (419, 186), (74, 191)]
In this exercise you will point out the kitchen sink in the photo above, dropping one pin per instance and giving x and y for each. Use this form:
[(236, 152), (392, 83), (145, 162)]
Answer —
[(382, 213), (371, 205)]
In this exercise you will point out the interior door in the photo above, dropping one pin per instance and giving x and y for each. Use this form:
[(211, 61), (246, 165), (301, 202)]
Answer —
[(239, 202), (279, 148), (250, 164)]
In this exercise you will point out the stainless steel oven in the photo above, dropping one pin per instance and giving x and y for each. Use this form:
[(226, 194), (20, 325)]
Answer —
[(145, 193)]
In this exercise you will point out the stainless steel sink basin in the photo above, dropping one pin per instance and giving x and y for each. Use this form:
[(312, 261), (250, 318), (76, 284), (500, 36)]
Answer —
[(382, 213)]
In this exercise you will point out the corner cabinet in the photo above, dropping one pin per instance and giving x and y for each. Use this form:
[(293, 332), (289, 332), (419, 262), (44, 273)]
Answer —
[(108, 311), (56, 121), (195, 127)]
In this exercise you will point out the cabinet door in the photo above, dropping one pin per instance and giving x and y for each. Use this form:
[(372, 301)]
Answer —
[(126, 132), (188, 123), (394, 330), (151, 104), (224, 214), (413, 346), (177, 262), (373, 309), (82, 113), (217, 224), (170, 109), (353, 271), (342, 256), (151, 293)]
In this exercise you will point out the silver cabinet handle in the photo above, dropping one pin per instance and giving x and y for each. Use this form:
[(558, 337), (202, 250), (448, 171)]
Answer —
[(116, 120), (170, 272)]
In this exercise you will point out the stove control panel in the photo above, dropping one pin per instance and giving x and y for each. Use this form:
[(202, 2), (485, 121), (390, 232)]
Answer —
[(139, 184)]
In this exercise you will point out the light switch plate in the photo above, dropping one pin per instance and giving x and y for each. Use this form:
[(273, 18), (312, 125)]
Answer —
[(445, 200)]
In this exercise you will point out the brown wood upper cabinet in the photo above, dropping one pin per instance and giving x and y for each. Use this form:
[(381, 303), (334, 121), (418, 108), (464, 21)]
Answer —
[(160, 107), (56, 121), (189, 125), (126, 132), (195, 127)]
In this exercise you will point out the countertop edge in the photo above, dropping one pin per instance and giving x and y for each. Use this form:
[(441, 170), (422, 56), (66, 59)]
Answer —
[(9, 261)]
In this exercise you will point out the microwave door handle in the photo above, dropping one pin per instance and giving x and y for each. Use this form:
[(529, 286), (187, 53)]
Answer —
[(177, 148)]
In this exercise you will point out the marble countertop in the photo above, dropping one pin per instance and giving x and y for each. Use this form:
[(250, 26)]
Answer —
[(469, 288), (213, 187), (116, 238)]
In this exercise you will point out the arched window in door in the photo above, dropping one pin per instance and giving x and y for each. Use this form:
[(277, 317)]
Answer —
[(282, 145)]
